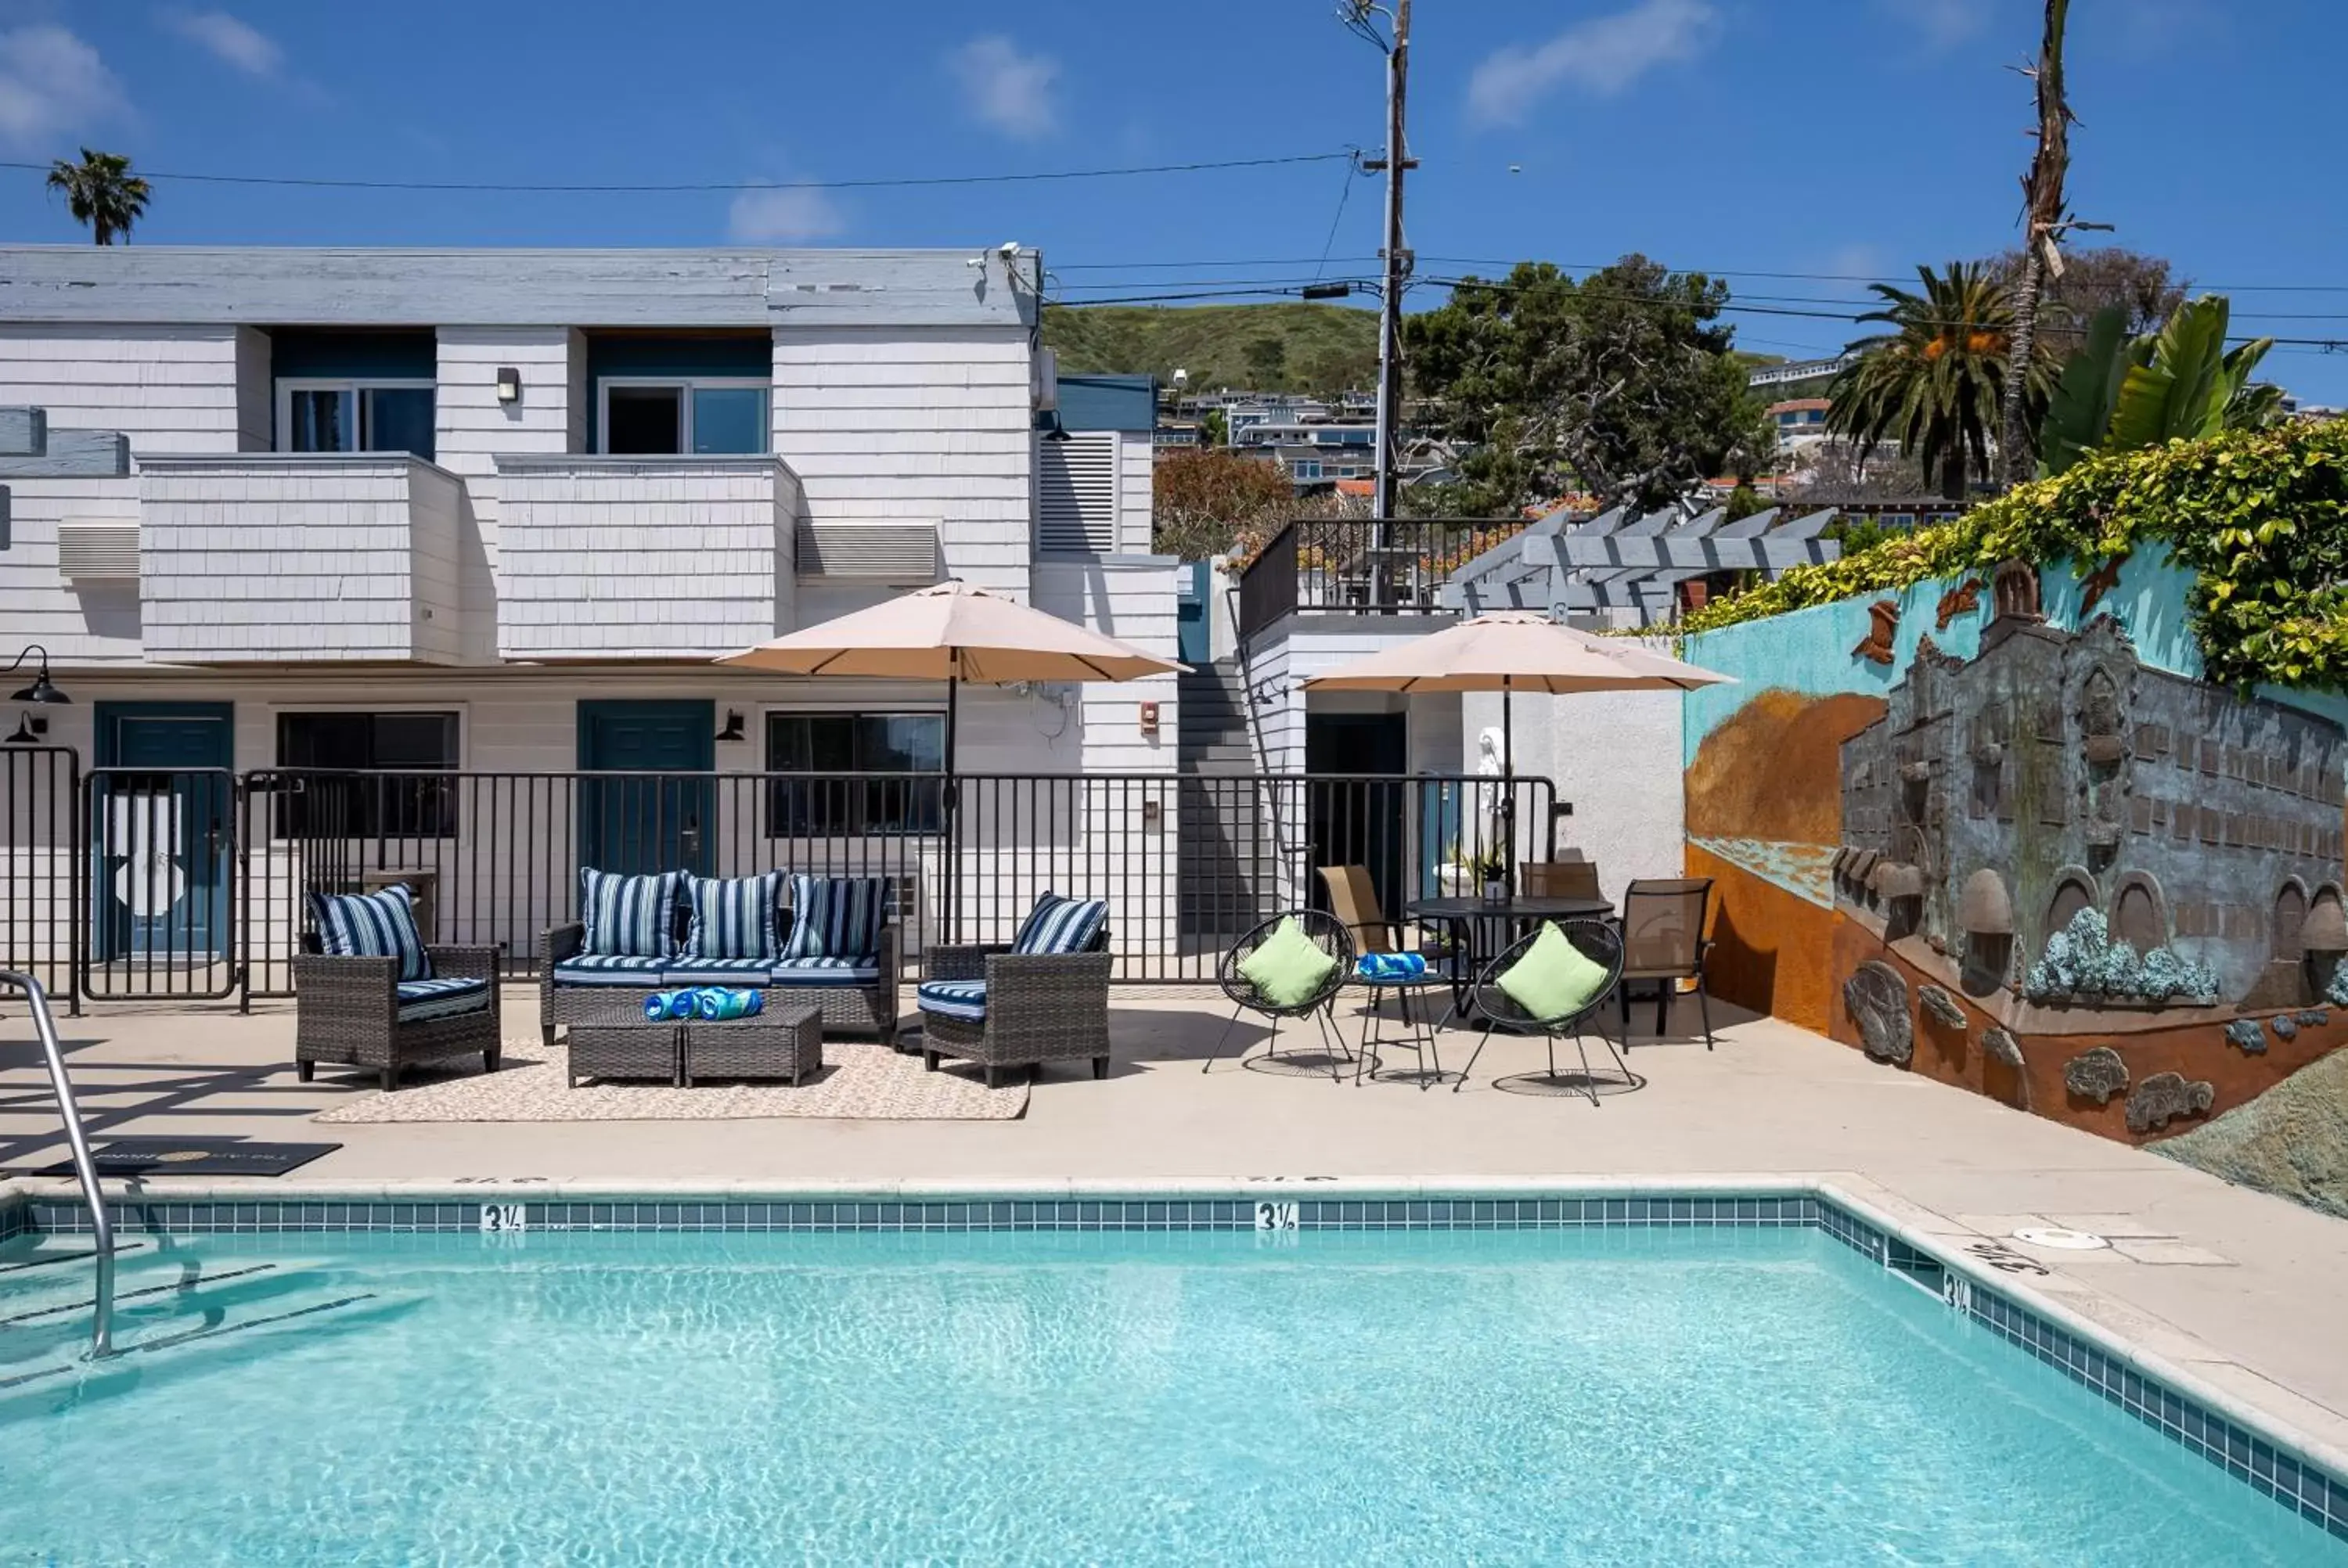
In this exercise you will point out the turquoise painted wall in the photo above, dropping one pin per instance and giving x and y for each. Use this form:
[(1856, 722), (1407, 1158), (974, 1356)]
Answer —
[(1810, 651)]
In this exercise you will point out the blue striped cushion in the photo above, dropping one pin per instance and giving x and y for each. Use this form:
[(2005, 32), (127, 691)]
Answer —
[(442, 997), (1058, 924), (964, 999), (371, 925), (628, 917), (826, 972), (836, 917), (685, 970), (734, 918), (609, 969)]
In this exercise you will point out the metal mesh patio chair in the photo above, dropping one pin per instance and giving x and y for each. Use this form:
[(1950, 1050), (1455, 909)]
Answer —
[(1663, 943), (1601, 945), (1331, 936)]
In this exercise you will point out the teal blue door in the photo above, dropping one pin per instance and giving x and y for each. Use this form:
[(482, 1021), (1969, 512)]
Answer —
[(1193, 643), (650, 820), (162, 829)]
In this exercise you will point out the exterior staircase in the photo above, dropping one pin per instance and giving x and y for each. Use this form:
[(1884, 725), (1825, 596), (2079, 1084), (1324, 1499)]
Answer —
[(1225, 866)]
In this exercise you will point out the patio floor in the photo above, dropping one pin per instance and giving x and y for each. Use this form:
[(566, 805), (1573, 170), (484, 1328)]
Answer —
[(2238, 1287)]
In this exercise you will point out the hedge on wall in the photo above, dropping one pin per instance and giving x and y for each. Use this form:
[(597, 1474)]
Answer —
[(2261, 516)]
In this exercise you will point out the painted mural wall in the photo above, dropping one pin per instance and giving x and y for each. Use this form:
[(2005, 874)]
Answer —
[(2000, 831)]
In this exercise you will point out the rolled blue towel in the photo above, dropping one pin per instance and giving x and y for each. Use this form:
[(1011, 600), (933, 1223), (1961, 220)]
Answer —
[(715, 1004), (1391, 967), (662, 1006)]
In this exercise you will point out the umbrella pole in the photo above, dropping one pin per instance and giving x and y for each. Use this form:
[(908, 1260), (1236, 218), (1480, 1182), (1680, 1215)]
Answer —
[(1507, 785), (950, 923)]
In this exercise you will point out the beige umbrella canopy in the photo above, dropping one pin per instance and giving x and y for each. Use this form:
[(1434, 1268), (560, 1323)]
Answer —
[(1511, 651), (952, 633)]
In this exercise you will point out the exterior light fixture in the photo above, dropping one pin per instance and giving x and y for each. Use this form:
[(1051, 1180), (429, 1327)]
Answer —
[(41, 689), (509, 384), (733, 730), (24, 735), (1057, 432)]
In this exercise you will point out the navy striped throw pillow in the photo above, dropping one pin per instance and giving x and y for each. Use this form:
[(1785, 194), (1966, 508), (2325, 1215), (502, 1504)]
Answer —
[(372, 925), (628, 917), (836, 917), (1058, 924), (734, 918)]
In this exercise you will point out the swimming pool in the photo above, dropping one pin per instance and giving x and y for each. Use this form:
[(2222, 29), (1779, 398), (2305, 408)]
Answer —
[(1635, 1393)]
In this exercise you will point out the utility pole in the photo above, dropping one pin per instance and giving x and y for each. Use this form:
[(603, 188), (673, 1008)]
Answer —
[(1398, 260)]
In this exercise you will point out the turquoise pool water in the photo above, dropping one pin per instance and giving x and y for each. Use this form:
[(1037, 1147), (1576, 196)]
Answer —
[(1642, 1397)]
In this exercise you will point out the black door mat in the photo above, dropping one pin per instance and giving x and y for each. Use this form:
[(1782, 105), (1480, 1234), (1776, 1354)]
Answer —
[(196, 1157)]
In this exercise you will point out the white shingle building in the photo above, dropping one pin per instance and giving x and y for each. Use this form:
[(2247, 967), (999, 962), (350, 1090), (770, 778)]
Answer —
[(496, 511)]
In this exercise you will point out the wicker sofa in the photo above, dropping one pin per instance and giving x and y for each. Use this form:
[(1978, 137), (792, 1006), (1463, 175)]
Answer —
[(349, 1011), (1037, 1008), (861, 1000)]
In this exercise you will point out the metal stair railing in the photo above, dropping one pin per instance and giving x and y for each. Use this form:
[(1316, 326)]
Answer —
[(101, 1339)]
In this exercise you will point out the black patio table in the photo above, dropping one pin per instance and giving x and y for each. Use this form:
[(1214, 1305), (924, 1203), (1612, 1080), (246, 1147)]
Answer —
[(1466, 915)]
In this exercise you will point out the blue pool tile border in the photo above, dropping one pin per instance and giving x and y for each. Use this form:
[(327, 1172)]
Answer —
[(2287, 1478)]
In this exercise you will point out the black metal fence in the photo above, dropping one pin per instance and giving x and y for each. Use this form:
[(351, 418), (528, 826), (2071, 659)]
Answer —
[(191, 884), (1362, 565)]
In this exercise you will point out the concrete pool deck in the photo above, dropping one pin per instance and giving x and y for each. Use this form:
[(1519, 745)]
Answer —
[(2239, 1289)]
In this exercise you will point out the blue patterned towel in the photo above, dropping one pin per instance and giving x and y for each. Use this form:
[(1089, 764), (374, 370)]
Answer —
[(664, 1006), (714, 1004), (1391, 967)]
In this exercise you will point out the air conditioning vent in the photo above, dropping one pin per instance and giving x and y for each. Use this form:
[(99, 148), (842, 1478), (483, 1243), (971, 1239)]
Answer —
[(88, 551), (1075, 494), (904, 552)]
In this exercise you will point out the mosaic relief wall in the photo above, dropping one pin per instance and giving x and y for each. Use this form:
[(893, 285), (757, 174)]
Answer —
[(2000, 831)]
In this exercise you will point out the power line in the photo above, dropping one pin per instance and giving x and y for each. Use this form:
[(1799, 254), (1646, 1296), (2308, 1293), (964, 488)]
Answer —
[(683, 187), (1330, 244), (1863, 277)]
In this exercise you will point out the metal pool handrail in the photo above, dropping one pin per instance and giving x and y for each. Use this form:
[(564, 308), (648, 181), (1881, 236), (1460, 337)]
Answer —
[(101, 1336)]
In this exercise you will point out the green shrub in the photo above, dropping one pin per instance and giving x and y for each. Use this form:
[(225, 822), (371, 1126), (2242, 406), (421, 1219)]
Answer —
[(2260, 517)]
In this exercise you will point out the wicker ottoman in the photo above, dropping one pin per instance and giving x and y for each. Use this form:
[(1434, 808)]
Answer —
[(613, 1048), (785, 1041)]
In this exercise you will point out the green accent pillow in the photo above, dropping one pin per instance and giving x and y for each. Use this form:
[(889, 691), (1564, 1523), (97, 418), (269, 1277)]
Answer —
[(1554, 978), (1289, 967)]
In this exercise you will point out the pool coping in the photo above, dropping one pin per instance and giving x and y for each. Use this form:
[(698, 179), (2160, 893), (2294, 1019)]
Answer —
[(1979, 1275)]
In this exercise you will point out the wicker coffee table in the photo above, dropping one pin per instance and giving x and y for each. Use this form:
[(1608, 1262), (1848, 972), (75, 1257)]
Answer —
[(619, 1041), (785, 1041)]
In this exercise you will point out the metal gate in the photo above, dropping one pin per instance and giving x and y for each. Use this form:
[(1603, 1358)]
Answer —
[(158, 914), (41, 865)]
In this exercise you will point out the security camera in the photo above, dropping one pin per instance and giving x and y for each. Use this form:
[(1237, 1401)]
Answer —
[(1007, 250)]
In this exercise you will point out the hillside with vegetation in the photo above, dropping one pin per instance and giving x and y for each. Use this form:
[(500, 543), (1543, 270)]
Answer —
[(1317, 349)]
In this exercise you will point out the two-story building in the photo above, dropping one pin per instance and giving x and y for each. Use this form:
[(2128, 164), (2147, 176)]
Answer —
[(497, 511)]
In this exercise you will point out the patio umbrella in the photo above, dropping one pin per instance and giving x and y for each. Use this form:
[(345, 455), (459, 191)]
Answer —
[(1512, 651), (952, 633)]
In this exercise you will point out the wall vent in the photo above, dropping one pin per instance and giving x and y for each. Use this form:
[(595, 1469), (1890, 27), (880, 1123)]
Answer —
[(87, 551), (1075, 494), (904, 552)]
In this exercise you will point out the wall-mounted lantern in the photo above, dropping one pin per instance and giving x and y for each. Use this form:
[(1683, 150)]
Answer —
[(509, 384)]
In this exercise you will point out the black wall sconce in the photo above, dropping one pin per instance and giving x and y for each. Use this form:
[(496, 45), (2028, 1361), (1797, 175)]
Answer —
[(509, 384), (41, 689), (733, 730)]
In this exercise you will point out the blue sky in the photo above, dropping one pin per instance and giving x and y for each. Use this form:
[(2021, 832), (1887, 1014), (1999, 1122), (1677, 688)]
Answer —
[(1834, 137)]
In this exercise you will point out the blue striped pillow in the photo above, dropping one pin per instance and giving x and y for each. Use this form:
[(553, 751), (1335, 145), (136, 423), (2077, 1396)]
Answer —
[(1058, 924), (628, 917), (372, 925), (732, 917), (836, 917)]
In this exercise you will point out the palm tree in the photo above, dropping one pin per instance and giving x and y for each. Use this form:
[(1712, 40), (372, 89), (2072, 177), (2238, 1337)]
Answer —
[(101, 191), (2042, 225), (1935, 382)]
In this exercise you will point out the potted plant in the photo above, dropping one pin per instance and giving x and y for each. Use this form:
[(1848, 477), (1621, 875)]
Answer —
[(1491, 874)]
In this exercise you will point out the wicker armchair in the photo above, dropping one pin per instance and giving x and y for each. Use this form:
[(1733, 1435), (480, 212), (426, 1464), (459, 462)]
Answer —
[(1332, 936), (347, 1013), (1039, 1006), (1601, 945)]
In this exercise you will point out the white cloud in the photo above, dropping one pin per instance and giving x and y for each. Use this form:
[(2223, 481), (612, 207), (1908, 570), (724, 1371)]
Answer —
[(783, 217), (1601, 57), (51, 84), (1943, 22), (239, 43), (1006, 89)]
